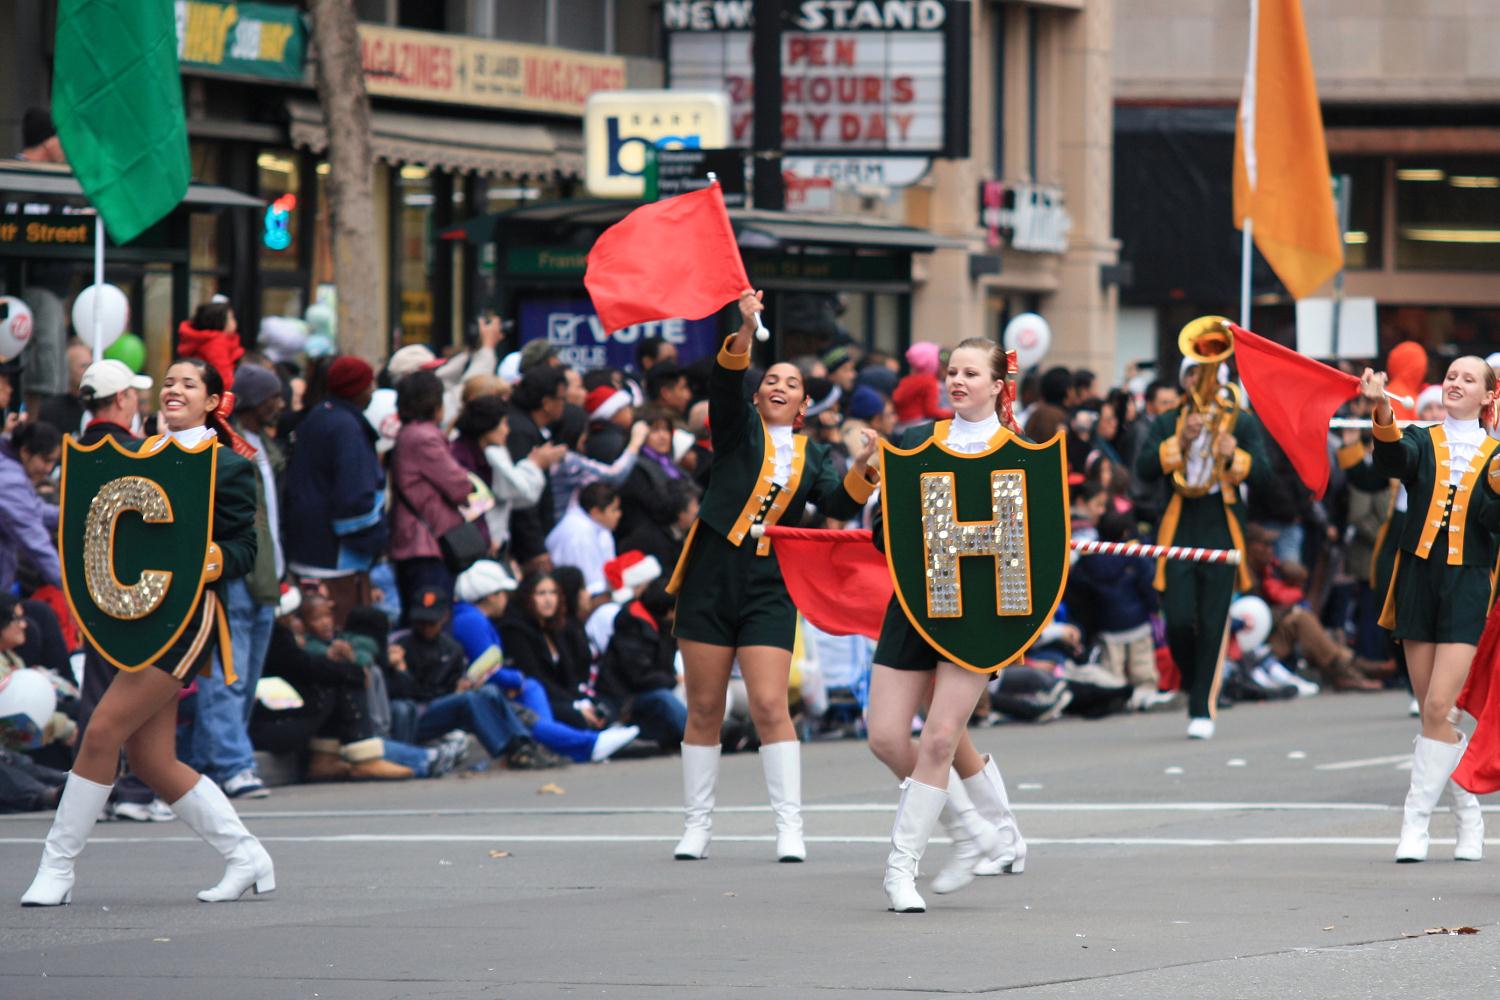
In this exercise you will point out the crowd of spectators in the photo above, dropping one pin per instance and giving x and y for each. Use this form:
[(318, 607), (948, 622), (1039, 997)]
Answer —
[(463, 561)]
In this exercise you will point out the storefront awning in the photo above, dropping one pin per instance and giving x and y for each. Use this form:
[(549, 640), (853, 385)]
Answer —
[(453, 144), (757, 230), (24, 178)]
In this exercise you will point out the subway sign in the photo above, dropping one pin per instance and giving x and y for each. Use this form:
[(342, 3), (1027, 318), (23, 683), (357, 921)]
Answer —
[(872, 77)]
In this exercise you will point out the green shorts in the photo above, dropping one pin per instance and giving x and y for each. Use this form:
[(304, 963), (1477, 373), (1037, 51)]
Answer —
[(1436, 602), (732, 597), (901, 646)]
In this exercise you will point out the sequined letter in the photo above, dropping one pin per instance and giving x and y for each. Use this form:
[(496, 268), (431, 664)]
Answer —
[(1003, 539), (110, 595)]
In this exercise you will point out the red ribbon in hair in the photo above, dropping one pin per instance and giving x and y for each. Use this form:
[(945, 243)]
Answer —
[(241, 447), (1008, 393)]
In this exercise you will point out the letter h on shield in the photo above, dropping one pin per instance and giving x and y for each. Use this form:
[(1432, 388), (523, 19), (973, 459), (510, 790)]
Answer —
[(947, 540)]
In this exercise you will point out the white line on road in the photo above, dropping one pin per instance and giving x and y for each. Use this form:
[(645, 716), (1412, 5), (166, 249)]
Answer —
[(619, 838), (1349, 765)]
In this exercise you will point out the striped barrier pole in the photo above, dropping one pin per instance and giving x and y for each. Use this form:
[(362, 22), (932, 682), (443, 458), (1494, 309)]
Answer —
[(1227, 557)]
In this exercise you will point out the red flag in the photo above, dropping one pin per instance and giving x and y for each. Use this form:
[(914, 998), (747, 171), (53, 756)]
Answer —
[(837, 579), (677, 258), (1479, 770), (1295, 397)]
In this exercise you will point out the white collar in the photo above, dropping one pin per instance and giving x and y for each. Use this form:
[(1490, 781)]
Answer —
[(190, 437), (1464, 431), (972, 429), (781, 435)]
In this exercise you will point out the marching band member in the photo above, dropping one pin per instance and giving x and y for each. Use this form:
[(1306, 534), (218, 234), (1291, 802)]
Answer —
[(732, 604), (1441, 587), (138, 712), (942, 775), (1205, 449)]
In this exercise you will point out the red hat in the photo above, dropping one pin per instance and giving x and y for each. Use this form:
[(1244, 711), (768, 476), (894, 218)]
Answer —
[(605, 401), (628, 571), (349, 376)]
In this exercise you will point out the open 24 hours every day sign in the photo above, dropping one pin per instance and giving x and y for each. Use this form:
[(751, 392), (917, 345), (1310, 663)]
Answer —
[(858, 76)]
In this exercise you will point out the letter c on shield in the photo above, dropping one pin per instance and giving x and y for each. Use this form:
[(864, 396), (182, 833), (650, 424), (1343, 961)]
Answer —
[(109, 593)]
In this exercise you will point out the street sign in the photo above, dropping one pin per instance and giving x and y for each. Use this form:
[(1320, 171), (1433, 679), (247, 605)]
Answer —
[(679, 171), (620, 127)]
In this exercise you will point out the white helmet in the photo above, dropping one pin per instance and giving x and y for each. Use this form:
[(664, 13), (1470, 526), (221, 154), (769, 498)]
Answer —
[(27, 701), (1251, 618)]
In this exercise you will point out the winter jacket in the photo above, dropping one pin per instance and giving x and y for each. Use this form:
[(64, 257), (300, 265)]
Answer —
[(27, 524), (218, 347), (333, 516), (428, 486), (917, 398), (640, 657), (566, 676), (433, 669), (1116, 589), (529, 525)]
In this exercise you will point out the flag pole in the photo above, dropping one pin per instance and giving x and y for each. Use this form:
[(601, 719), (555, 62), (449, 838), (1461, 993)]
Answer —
[(761, 333), (98, 283), (1247, 116)]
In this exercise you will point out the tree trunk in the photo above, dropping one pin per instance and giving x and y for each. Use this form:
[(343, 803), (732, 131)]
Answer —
[(350, 189)]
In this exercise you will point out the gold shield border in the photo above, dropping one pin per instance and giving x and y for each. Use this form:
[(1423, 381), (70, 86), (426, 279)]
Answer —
[(1003, 438), (71, 444)]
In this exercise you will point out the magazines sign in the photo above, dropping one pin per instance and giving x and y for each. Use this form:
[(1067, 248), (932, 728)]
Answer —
[(858, 76)]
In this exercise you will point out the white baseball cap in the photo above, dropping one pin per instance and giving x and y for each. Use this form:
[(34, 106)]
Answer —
[(482, 579), (103, 379), (412, 358)]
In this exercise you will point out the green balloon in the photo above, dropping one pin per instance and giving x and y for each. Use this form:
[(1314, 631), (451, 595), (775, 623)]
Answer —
[(129, 349)]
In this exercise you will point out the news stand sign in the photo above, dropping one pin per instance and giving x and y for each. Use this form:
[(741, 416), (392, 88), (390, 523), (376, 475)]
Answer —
[(572, 326), (873, 77)]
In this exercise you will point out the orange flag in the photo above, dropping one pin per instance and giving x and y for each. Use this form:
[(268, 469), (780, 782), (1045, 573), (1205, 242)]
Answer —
[(1281, 180)]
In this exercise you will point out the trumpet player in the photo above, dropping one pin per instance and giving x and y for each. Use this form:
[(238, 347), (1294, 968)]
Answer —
[(1206, 449)]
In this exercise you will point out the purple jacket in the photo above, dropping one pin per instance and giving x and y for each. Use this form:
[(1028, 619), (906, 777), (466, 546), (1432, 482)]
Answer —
[(428, 486), (27, 524)]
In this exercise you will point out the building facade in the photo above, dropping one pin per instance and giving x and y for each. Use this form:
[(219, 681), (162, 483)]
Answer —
[(1411, 100)]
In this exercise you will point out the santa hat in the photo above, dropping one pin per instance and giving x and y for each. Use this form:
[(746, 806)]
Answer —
[(1432, 395), (291, 600), (628, 571), (605, 401)]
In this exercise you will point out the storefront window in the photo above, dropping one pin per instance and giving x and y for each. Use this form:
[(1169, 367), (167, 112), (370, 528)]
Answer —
[(581, 25), (1447, 214), (1364, 233), (415, 264), (279, 185)]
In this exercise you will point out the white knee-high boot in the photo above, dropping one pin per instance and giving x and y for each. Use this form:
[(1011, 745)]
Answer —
[(782, 763), (1470, 845), (974, 837), (916, 815), (987, 789), (1432, 762), (211, 816), (77, 812), (700, 776)]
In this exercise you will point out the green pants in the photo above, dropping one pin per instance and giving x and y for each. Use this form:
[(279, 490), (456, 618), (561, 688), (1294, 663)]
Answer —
[(1196, 603)]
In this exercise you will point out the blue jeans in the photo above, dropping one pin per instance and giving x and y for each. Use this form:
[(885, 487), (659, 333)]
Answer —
[(577, 744), (221, 738), (661, 716), (483, 712), (408, 756)]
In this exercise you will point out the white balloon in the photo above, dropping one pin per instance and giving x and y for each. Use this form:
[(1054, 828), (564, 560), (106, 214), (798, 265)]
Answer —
[(114, 314), (15, 328), (1030, 337), (27, 701), (1252, 622)]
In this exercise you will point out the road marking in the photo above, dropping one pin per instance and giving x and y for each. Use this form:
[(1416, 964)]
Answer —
[(621, 838), (1349, 765), (829, 807)]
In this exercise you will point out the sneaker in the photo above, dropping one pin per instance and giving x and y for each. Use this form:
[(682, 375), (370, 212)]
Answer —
[(529, 756), (246, 785), (1279, 673), (1060, 697), (449, 753), (155, 811), (1200, 729), (611, 740)]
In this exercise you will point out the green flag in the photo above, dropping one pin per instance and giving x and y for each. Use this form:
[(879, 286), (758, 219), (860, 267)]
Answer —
[(117, 104)]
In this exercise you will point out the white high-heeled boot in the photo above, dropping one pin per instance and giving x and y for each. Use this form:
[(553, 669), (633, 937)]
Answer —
[(987, 789), (916, 815), (1470, 844), (77, 812), (700, 775), (782, 763), (1431, 763), (209, 814), (974, 838)]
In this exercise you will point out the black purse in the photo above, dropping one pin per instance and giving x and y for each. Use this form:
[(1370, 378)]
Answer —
[(461, 545)]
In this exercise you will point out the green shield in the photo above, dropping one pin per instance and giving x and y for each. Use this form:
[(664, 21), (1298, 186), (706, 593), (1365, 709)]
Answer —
[(133, 536), (977, 544)]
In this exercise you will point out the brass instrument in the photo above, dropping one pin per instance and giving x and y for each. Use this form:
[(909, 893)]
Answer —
[(1207, 342)]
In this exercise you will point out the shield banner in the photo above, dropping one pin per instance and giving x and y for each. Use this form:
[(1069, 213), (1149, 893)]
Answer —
[(133, 537), (977, 544)]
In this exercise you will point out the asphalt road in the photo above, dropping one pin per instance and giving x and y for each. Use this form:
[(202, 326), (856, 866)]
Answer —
[(1255, 865)]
